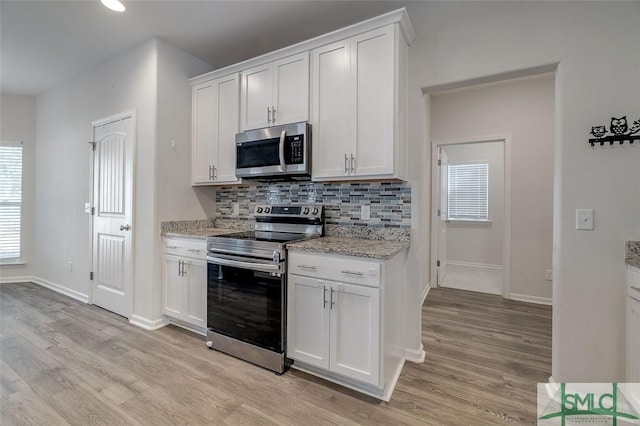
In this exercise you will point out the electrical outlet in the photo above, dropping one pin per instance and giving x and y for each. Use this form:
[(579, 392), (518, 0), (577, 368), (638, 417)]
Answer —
[(365, 213), (584, 219), (548, 275), (236, 209)]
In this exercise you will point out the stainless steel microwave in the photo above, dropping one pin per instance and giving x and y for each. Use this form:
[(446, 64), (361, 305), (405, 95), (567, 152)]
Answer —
[(278, 152)]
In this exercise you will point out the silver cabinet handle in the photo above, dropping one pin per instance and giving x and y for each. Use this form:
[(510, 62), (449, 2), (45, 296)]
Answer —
[(313, 268), (273, 114), (194, 250), (352, 163), (635, 288), (125, 227), (633, 298), (331, 296), (215, 172), (324, 297), (210, 172), (172, 247), (352, 273), (268, 115), (184, 268), (179, 268), (346, 167)]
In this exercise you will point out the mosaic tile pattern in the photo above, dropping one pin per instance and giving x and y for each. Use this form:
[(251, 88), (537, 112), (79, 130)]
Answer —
[(390, 201)]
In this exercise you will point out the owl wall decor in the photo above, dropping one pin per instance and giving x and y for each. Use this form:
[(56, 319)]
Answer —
[(619, 132), (619, 125)]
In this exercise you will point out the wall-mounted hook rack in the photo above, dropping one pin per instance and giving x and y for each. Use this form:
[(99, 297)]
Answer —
[(619, 130)]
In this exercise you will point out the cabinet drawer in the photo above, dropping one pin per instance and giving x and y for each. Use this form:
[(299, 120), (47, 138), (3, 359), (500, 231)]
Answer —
[(196, 249), (343, 269)]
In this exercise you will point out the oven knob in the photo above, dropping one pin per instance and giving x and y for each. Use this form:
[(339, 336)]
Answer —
[(259, 210), (267, 209), (306, 210), (315, 211)]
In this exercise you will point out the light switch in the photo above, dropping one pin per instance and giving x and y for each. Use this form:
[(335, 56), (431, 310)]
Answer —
[(584, 219), (87, 208)]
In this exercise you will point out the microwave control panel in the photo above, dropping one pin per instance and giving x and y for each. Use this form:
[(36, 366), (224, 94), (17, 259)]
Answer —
[(294, 150)]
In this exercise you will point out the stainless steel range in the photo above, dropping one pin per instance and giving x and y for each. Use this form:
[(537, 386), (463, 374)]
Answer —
[(247, 287)]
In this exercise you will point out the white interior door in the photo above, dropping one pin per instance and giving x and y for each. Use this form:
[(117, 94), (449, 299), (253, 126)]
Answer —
[(444, 214), (112, 224)]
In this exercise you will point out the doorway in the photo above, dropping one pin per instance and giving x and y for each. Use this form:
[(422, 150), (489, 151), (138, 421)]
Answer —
[(472, 197), (112, 227)]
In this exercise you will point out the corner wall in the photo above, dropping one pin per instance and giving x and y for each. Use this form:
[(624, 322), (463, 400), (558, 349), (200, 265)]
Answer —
[(460, 42)]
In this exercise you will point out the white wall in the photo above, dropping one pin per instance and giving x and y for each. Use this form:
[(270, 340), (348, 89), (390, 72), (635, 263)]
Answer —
[(176, 199), (479, 242), (595, 45), (64, 116), (18, 123), (524, 109)]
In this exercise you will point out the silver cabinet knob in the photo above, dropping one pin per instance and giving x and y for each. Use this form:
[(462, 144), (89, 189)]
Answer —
[(125, 227)]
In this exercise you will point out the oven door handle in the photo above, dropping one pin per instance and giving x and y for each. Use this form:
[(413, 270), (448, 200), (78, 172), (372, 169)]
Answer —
[(264, 267), (281, 150)]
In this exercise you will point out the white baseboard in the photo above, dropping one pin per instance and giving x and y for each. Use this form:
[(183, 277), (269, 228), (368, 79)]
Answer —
[(531, 299), (416, 356), (74, 294), (146, 323), (474, 265), (15, 280), (424, 293)]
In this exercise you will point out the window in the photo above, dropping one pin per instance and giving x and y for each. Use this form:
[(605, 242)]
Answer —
[(468, 191), (10, 199)]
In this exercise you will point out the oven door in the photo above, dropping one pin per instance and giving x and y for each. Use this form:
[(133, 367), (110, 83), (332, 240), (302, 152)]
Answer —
[(245, 300)]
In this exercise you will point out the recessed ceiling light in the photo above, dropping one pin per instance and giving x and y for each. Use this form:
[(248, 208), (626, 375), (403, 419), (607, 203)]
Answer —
[(114, 5)]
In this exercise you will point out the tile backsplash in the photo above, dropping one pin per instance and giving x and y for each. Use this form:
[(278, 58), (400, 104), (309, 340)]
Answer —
[(390, 201)]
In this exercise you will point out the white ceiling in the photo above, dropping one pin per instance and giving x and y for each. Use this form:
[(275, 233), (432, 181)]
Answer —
[(44, 43)]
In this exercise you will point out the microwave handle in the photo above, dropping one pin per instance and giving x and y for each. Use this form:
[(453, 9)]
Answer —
[(281, 152)]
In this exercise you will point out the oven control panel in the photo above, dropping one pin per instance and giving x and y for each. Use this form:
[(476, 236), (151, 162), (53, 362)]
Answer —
[(304, 210)]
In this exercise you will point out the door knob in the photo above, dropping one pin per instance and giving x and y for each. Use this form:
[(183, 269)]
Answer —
[(125, 227)]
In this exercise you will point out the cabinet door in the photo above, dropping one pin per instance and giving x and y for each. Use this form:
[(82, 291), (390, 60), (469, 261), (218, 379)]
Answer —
[(355, 332), (228, 91), (308, 320), (203, 131), (291, 89), (173, 287), (633, 340), (372, 88), (331, 112), (195, 287), (256, 97)]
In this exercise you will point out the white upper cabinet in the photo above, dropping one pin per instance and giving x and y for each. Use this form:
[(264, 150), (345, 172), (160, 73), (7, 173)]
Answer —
[(358, 107), (275, 93), (215, 124)]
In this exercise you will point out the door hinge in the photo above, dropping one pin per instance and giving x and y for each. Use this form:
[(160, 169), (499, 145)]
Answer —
[(91, 276), (438, 263), (93, 211), (439, 162), (438, 213), (93, 145)]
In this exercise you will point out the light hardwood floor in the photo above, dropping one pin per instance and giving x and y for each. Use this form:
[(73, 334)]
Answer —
[(64, 362)]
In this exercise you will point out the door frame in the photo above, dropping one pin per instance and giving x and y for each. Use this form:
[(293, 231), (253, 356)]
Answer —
[(132, 114), (435, 197)]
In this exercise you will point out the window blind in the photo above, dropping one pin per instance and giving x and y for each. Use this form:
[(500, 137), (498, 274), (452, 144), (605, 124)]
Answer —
[(10, 199), (468, 191)]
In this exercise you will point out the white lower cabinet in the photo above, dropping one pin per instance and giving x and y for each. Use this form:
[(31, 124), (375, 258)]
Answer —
[(335, 326), (338, 329), (185, 283)]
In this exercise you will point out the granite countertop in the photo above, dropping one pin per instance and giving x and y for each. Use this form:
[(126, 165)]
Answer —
[(374, 249), (199, 234), (632, 253)]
